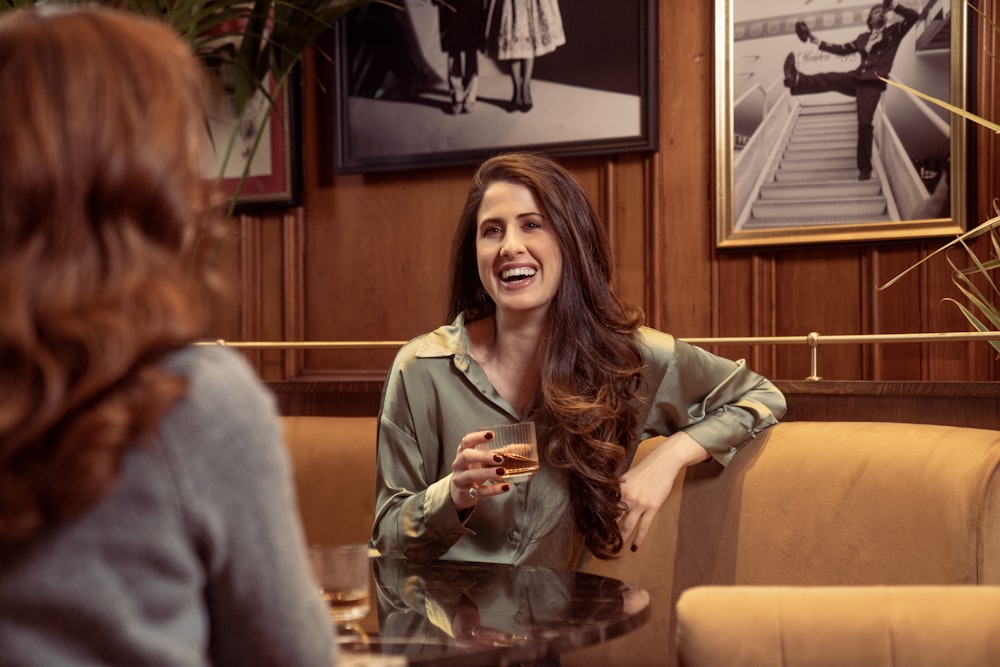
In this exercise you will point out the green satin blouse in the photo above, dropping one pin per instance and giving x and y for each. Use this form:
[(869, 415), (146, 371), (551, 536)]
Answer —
[(436, 393)]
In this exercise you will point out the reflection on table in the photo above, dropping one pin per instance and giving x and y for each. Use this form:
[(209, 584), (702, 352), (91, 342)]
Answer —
[(479, 614)]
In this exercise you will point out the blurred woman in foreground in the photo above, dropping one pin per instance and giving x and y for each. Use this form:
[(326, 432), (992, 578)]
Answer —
[(146, 510)]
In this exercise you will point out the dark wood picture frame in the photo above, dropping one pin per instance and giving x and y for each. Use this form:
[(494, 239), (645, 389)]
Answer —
[(595, 94), (763, 197)]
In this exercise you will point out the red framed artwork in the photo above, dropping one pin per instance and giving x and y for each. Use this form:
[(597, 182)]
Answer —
[(265, 146)]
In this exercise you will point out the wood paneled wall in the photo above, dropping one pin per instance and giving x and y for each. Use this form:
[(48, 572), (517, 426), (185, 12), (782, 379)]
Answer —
[(366, 257)]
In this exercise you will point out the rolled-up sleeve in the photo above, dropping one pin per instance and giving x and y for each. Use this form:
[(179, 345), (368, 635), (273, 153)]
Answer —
[(719, 402)]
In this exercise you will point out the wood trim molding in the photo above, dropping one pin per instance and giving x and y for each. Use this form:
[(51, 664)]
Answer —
[(250, 276), (293, 288), (972, 404)]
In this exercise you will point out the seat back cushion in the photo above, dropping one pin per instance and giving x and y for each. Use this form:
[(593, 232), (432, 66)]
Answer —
[(820, 503), (333, 459), (875, 626)]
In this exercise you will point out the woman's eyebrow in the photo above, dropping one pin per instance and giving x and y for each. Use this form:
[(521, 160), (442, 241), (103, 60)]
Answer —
[(519, 216)]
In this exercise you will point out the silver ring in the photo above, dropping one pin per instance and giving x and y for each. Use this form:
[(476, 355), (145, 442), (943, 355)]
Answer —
[(473, 492)]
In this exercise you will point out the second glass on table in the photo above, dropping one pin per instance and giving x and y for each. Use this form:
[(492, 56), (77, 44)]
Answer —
[(342, 573), (517, 444)]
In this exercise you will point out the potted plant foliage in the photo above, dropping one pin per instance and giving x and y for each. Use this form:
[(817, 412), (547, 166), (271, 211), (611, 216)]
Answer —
[(976, 281), (251, 45)]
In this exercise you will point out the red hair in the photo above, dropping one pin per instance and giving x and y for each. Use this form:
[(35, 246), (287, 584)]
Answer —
[(101, 198)]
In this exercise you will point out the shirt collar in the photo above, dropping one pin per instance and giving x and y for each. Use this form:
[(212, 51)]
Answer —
[(452, 340), (446, 341)]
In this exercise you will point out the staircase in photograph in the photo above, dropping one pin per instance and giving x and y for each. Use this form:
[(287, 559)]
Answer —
[(814, 179)]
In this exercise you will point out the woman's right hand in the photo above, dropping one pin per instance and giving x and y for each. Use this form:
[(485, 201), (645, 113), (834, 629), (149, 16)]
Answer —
[(472, 468)]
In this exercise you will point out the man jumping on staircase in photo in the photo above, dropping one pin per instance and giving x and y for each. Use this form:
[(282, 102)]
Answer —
[(877, 49)]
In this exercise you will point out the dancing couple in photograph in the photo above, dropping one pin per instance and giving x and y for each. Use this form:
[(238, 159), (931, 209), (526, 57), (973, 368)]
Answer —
[(513, 32)]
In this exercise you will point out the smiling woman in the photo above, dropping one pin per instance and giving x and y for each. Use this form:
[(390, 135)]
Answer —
[(518, 254), (538, 334)]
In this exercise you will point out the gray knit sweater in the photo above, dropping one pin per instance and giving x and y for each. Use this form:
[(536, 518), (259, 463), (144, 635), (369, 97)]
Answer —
[(195, 558)]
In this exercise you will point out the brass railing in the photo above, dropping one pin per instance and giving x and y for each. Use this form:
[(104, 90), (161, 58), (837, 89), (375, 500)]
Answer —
[(813, 339)]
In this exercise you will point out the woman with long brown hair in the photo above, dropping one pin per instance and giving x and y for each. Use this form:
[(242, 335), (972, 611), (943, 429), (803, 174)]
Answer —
[(146, 509), (537, 333)]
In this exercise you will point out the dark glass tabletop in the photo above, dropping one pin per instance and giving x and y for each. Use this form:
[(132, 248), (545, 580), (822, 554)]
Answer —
[(481, 614)]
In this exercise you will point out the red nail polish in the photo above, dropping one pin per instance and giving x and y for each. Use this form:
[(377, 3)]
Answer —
[(488, 435), (634, 548), (497, 458), (500, 472), (505, 487)]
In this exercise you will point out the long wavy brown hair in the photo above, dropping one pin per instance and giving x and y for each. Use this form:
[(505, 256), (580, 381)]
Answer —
[(101, 199), (591, 363)]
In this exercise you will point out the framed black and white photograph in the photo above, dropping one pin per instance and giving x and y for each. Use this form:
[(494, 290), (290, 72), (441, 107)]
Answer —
[(439, 83), (817, 138)]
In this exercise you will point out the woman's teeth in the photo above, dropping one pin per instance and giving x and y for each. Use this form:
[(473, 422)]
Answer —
[(520, 273)]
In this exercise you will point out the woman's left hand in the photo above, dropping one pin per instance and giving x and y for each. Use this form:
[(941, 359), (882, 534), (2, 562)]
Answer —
[(647, 484)]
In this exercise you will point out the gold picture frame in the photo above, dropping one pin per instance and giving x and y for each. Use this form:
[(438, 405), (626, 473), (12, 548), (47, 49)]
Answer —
[(773, 189)]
